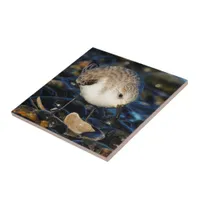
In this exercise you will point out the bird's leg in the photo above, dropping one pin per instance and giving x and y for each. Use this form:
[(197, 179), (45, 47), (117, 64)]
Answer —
[(118, 112), (90, 114)]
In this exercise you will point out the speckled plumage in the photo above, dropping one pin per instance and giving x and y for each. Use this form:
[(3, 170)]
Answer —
[(109, 86)]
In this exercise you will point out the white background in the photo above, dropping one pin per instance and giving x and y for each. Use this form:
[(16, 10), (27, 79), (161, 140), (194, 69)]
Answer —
[(38, 39)]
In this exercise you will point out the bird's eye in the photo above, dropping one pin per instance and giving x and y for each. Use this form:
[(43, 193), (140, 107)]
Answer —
[(120, 95)]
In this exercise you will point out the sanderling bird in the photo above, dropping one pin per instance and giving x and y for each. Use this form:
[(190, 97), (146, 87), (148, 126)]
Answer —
[(109, 87)]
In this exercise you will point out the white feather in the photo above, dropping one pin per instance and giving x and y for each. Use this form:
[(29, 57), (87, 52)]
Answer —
[(93, 94)]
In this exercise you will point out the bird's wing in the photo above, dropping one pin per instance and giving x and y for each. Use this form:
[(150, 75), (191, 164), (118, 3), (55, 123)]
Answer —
[(89, 75), (88, 82), (91, 66)]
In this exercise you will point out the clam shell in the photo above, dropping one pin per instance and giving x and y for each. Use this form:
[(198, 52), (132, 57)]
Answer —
[(76, 124)]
